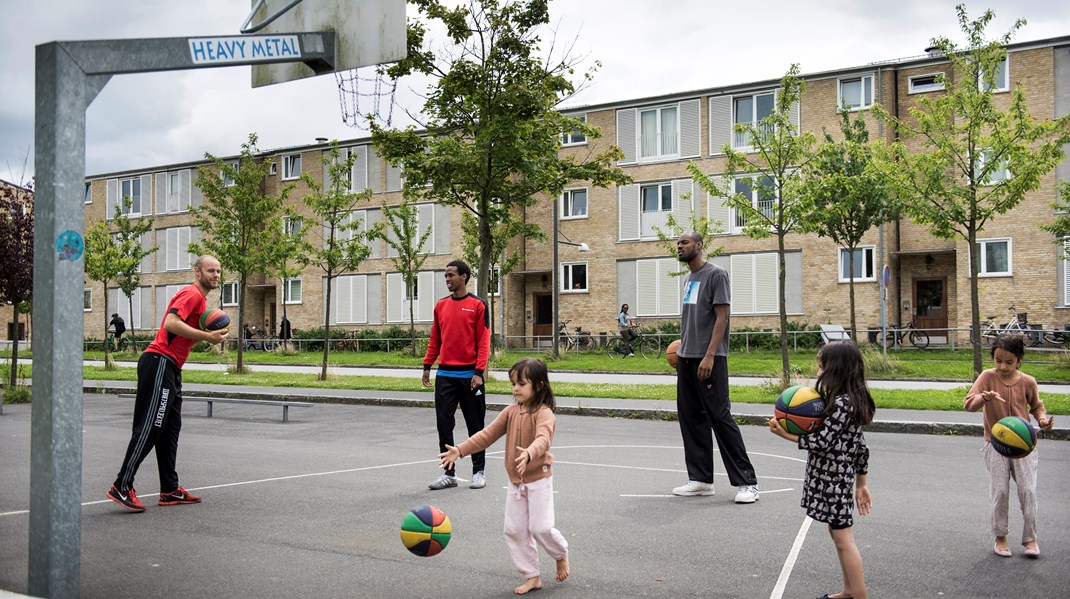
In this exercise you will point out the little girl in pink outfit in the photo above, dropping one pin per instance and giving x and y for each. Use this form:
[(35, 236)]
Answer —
[(528, 426)]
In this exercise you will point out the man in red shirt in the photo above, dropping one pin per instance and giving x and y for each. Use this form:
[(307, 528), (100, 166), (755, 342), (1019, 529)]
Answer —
[(460, 341), (158, 407)]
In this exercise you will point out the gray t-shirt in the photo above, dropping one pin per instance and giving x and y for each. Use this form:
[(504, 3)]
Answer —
[(703, 289)]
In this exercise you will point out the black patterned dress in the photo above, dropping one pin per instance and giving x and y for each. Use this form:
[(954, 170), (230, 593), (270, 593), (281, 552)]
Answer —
[(837, 452)]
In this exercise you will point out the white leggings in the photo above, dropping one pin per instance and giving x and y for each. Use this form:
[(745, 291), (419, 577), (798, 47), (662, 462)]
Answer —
[(529, 518), (1023, 471)]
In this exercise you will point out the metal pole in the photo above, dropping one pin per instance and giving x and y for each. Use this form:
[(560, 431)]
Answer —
[(880, 240), (556, 338)]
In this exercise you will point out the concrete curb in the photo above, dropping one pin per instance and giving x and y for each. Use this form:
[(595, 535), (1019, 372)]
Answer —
[(879, 426)]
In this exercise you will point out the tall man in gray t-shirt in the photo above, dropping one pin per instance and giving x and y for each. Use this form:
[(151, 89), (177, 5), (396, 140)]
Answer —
[(702, 378)]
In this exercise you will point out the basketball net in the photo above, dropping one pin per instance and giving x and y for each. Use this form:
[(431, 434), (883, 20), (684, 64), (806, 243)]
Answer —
[(365, 94)]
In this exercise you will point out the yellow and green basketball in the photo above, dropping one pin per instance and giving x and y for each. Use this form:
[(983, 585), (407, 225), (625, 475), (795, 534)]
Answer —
[(800, 410), (426, 530), (1014, 437)]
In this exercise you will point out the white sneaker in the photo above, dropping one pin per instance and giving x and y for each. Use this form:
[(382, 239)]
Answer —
[(692, 488), (747, 494), (479, 480), (443, 482)]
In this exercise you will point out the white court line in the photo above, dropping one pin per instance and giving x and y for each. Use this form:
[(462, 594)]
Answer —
[(789, 564), (649, 469), (763, 492)]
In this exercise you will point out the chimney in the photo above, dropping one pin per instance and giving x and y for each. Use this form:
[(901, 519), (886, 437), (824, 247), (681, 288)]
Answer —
[(933, 52)]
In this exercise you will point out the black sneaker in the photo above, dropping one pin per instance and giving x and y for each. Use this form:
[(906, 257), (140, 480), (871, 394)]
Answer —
[(128, 500)]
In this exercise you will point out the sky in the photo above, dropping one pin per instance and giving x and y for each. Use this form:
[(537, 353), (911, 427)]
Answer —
[(645, 48)]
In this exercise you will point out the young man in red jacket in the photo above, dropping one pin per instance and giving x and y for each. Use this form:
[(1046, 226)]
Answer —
[(460, 341)]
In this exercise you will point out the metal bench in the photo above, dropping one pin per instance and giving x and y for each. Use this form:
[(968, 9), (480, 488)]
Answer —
[(286, 405)]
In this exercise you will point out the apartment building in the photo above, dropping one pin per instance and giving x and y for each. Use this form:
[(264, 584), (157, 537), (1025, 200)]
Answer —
[(659, 135)]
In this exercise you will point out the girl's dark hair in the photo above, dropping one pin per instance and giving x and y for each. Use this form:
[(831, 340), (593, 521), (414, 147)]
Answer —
[(843, 372), (1014, 344), (534, 371)]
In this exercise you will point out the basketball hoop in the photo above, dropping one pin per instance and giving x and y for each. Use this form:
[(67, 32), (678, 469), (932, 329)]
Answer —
[(247, 28), (362, 94)]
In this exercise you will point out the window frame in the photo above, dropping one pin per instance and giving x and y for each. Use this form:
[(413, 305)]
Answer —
[(223, 294), (87, 299), (753, 120), (736, 228), (983, 244), (287, 225), (1005, 85), (288, 291), (567, 281), (871, 250), (569, 139), (229, 181), (659, 134), (567, 206), (88, 199), (189, 260), (863, 88), (122, 198), (935, 86), (289, 163), (982, 161)]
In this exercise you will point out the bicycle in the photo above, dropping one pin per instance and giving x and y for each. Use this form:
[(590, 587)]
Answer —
[(648, 347), (1017, 325), (918, 338), (124, 343), (581, 340), (346, 340)]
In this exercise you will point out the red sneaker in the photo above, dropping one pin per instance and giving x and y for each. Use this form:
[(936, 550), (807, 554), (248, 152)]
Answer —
[(179, 496), (128, 500)]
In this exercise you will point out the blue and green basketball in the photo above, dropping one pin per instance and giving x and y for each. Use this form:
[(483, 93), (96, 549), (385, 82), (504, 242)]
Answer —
[(213, 320), (800, 410), (426, 531), (1014, 437)]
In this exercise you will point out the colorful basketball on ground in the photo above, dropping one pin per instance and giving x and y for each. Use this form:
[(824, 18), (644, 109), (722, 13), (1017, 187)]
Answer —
[(213, 320), (1014, 437), (426, 531), (670, 354), (800, 410)]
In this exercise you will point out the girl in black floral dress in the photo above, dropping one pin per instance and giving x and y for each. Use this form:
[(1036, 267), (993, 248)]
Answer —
[(838, 458)]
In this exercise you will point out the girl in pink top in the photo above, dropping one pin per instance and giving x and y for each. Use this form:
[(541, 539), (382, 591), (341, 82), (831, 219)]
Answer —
[(1001, 391), (528, 426)]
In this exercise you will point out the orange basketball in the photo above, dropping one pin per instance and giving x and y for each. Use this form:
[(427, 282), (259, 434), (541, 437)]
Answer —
[(670, 353)]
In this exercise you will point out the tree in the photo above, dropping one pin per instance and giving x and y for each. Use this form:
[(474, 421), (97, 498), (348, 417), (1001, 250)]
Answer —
[(1060, 226), (492, 132), (16, 247), (705, 226), (345, 241), (403, 235), (102, 262), (848, 194), (236, 219), (774, 203), (955, 182), (292, 256), (128, 259)]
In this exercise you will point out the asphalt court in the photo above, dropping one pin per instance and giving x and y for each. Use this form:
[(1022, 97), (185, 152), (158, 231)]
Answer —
[(312, 508)]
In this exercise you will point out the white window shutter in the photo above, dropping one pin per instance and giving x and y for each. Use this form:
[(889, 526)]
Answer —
[(171, 253), (395, 296), (720, 123), (440, 290), (628, 212), (144, 303), (184, 192), (626, 138), (425, 287), (326, 162), (375, 172), (742, 284), (683, 201), (113, 198), (393, 178), (161, 304), (359, 173), (427, 220), (668, 287), (161, 193), (441, 232), (146, 194), (766, 283), (186, 260), (374, 216), (146, 243), (358, 292), (717, 210), (343, 300), (691, 128), (794, 115), (196, 195), (646, 286)]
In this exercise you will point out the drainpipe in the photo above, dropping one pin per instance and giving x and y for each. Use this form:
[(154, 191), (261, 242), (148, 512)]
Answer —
[(880, 236)]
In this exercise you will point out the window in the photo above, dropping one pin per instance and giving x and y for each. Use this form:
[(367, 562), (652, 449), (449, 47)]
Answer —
[(998, 173), (130, 189), (229, 293), (291, 291), (88, 193), (177, 241), (656, 198), (865, 265), (762, 197), (291, 226), (657, 291), (856, 93), (574, 203), (575, 137), (925, 83), (995, 257), (750, 110), (228, 181), (176, 192), (755, 283), (574, 277), (658, 133), (291, 166), (1000, 80), (87, 300)]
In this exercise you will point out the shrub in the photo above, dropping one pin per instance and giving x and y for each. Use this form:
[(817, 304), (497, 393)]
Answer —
[(20, 394)]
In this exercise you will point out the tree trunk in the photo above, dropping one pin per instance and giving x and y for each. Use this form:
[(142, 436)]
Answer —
[(975, 301), (130, 303), (851, 291), (14, 350), (240, 364), (327, 323), (412, 319), (785, 377), (107, 346)]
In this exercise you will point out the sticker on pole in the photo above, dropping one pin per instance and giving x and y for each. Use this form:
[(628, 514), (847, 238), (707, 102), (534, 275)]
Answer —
[(886, 276), (69, 245)]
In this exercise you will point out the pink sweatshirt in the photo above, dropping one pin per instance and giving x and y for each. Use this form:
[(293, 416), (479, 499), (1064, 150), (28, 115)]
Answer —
[(1022, 399), (533, 431)]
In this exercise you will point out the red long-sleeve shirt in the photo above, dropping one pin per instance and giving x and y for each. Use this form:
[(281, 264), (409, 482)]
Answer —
[(460, 335)]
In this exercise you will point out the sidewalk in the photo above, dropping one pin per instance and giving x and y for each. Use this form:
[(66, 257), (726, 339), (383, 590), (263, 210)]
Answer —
[(887, 420)]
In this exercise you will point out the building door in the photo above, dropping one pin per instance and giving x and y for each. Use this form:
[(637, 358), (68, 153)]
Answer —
[(543, 321), (274, 316), (930, 303)]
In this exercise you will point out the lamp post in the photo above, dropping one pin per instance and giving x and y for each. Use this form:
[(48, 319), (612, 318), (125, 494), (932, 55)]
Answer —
[(556, 278)]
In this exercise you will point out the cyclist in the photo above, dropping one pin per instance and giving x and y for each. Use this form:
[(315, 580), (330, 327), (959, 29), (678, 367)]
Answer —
[(626, 327), (120, 329)]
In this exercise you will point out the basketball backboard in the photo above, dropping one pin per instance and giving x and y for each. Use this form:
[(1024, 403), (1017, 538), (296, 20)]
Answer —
[(367, 32)]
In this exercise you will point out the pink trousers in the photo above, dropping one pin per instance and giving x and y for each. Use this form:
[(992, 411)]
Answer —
[(1023, 471), (529, 519)]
